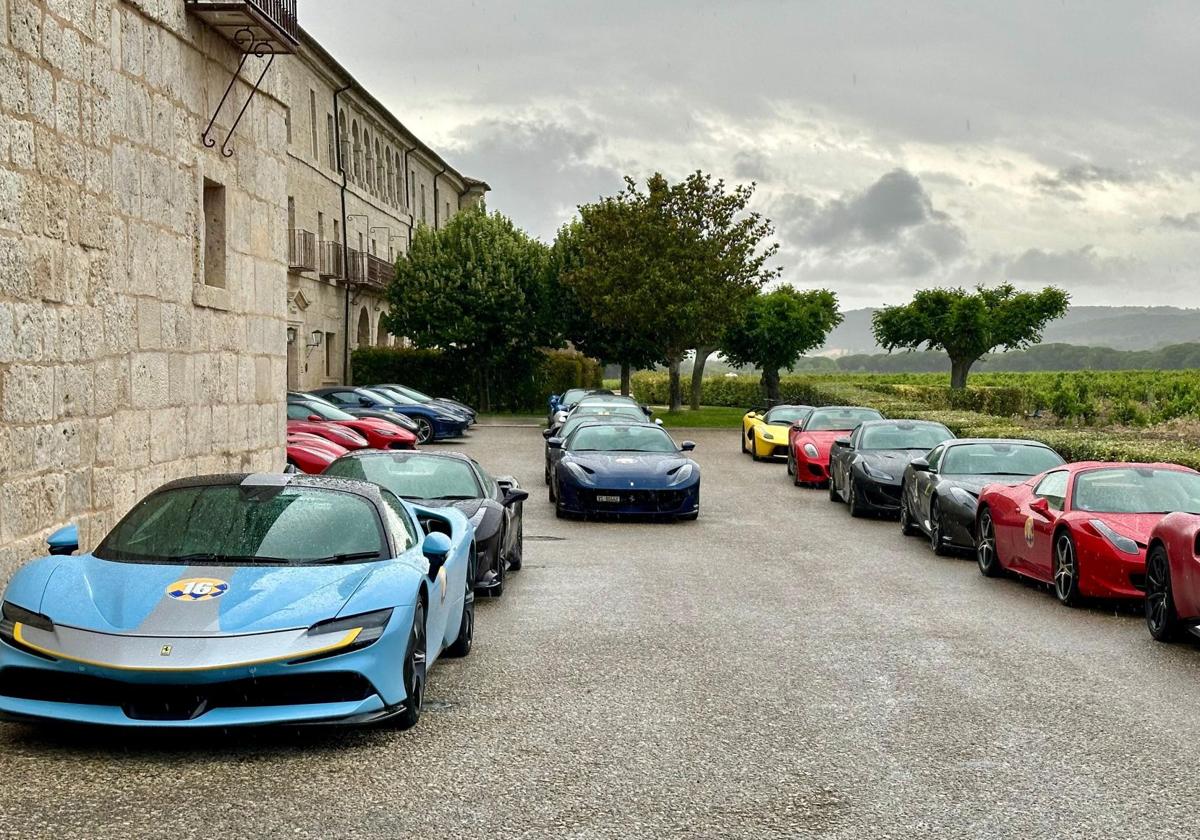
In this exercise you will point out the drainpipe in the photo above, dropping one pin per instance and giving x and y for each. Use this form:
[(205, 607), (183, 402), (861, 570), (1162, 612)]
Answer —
[(437, 202), (337, 130)]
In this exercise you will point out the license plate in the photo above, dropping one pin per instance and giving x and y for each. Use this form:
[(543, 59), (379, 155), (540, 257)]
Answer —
[(614, 500)]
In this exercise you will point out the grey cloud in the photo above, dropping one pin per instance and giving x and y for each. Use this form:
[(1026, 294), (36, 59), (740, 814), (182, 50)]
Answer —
[(1072, 266), (752, 165), (880, 213), (1189, 222)]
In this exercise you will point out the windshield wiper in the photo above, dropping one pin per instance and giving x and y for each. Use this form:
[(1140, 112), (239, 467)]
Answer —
[(349, 557), (452, 498), (222, 559)]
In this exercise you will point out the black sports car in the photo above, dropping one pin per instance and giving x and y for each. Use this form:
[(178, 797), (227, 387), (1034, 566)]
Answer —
[(493, 505), (940, 492), (866, 469)]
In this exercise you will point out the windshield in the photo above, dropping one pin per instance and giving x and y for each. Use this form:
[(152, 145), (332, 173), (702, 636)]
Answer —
[(1137, 490), (413, 476), (573, 396), (409, 393), (302, 411), (999, 459), (787, 414), (904, 436), (590, 409), (621, 438), (575, 422), (378, 396), (233, 525), (839, 419)]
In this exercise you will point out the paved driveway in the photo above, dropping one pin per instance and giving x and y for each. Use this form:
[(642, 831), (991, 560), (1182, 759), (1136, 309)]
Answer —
[(775, 669)]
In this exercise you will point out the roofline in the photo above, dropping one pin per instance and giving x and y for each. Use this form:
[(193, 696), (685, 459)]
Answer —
[(311, 43)]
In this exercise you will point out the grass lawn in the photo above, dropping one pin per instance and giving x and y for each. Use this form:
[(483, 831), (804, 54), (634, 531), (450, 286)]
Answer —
[(707, 417)]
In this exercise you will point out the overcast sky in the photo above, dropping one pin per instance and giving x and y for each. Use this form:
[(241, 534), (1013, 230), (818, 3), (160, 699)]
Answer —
[(895, 145)]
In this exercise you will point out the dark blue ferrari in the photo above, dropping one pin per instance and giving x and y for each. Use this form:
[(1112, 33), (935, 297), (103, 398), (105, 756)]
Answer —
[(624, 470)]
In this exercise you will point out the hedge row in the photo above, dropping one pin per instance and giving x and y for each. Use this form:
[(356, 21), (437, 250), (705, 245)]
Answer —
[(902, 401), (435, 372)]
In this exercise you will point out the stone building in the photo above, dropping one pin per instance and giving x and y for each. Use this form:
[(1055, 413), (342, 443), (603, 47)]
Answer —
[(146, 233), (341, 259)]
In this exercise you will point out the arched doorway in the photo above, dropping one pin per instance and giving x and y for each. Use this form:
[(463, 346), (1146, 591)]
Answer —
[(381, 338), (364, 328)]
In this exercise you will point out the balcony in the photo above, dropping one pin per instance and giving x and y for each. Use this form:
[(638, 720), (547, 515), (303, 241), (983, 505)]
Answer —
[(331, 260), (379, 271), (302, 250), (271, 24)]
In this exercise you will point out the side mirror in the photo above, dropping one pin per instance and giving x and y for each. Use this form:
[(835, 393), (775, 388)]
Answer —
[(920, 465), (751, 414), (364, 402), (436, 548), (1042, 508), (546, 434), (64, 540), (658, 421), (554, 442), (512, 496), (314, 418), (842, 443), (647, 409), (687, 446)]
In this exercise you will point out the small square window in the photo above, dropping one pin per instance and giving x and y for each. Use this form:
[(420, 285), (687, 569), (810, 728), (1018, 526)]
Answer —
[(214, 234)]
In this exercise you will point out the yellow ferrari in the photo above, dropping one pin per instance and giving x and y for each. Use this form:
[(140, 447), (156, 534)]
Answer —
[(766, 435)]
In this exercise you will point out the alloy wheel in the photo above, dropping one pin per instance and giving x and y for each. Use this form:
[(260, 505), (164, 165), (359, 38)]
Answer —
[(935, 529), (985, 547), (1066, 570), (424, 430), (1161, 619)]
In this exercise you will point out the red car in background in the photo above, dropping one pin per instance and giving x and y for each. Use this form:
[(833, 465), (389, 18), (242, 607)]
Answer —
[(1082, 528), (343, 436), (1173, 575), (380, 434), (810, 440), (312, 454)]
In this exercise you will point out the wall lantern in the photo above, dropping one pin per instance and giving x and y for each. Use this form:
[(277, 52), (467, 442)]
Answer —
[(291, 334), (315, 341)]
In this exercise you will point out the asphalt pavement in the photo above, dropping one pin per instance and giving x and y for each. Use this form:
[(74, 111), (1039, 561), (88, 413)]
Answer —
[(775, 669)]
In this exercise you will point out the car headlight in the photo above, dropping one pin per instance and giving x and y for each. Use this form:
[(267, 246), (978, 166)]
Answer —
[(578, 471), (447, 418), (682, 474), (367, 628), (875, 472), (810, 450), (12, 615), (767, 436), (389, 432), (1120, 542), (963, 497)]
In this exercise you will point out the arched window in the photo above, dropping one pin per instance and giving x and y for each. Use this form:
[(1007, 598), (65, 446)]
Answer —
[(382, 338), (377, 178), (356, 136), (391, 178), (364, 328), (344, 141), (369, 165)]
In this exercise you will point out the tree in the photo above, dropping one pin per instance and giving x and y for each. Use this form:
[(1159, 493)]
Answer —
[(479, 290), (670, 267), (778, 327), (969, 324), (594, 335)]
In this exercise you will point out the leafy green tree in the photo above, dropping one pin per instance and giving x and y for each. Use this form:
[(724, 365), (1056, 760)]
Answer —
[(969, 324), (776, 328), (669, 267), (480, 290)]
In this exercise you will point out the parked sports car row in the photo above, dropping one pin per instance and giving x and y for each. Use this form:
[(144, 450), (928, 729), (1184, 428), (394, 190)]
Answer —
[(238, 600), (1110, 530), (604, 457)]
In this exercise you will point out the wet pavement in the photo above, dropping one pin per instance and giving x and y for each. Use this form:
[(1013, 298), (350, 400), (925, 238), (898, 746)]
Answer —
[(776, 669)]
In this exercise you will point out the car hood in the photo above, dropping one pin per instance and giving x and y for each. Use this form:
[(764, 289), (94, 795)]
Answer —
[(974, 484), (467, 507), (634, 469), (133, 598), (323, 429), (822, 440), (776, 431), (892, 461), (1135, 525)]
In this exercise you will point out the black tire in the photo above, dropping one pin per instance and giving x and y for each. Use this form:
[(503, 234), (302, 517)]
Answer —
[(935, 529), (907, 528), (466, 628), (791, 461), (518, 555), (856, 507), (546, 473), (986, 555), (414, 671), (1066, 570), (497, 568), (834, 496), (1161, 618), (754, 448), (424, 430), (743, 436), (551, 491)]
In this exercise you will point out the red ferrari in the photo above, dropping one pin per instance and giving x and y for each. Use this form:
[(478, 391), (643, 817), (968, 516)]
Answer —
[(343, 436), (380, 434), (1173, 575), (312, 454), (810, 440), (1082, 528)]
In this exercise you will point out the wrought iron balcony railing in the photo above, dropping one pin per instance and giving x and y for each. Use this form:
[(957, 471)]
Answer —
[(260, 26), (302, 250), (331, 260)]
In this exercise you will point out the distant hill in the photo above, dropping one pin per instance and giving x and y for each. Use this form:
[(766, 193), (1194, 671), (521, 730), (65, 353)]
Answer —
[(1118, 327)]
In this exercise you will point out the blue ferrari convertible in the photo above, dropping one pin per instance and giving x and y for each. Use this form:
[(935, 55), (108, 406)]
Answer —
[(627, 469), (241, 600)]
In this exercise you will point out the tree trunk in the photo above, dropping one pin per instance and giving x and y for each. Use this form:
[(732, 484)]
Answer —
[(770, 381), (676, 397), (625, 376), (702, 354), (959, 368)]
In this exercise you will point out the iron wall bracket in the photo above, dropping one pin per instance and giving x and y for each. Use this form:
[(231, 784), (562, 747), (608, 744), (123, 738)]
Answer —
[(244, 40)]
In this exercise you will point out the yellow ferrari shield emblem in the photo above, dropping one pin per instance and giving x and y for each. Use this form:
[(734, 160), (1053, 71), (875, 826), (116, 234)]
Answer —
[(1029, 532)]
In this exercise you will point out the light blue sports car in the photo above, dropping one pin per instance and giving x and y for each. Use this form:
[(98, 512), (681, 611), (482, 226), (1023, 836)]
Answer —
[(237, 600)]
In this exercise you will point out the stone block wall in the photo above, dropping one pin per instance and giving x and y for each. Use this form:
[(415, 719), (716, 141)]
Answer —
[(120, 368)]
